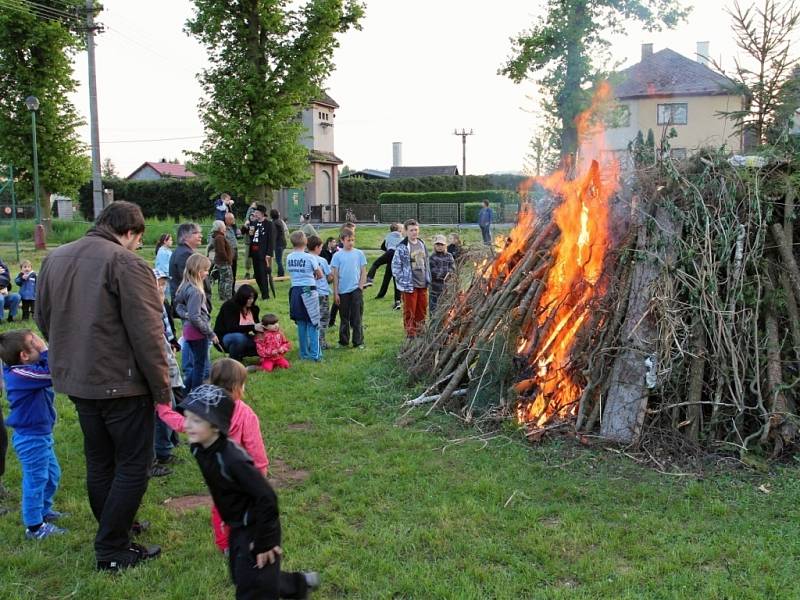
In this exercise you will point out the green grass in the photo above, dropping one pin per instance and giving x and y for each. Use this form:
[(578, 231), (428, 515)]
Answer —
[(395, 508)]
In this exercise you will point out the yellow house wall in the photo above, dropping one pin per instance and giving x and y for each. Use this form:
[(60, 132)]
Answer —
[(704, 126)]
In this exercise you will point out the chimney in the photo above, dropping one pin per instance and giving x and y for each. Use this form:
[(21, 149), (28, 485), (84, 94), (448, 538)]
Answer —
[(703, 53), (397, 154), (647, 50)]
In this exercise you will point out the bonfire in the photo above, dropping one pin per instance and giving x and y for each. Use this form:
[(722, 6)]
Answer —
[(613, 308)]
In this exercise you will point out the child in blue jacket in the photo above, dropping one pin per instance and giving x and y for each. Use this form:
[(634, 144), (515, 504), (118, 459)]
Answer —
[(26, 282), (29, 389)]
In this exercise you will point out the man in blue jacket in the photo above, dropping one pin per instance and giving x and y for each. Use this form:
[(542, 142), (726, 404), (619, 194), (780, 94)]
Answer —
[(485, 223)]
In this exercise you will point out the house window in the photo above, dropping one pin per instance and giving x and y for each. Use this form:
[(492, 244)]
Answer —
[(673, 114), (618, 116)]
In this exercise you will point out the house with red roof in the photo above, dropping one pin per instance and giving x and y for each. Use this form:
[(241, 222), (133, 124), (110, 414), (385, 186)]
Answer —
[(153, 171)]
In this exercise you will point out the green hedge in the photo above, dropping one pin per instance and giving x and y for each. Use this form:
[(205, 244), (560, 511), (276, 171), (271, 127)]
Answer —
[(164, 199), (366, 191), (493, 196)]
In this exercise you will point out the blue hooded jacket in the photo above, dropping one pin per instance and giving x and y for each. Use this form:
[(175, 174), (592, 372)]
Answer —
[(30, 395)]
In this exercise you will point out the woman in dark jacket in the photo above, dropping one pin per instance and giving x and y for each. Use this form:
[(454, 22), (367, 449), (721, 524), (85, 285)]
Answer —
[(237, 323)]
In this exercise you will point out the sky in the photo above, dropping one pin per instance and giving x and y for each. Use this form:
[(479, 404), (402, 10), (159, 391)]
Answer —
[(418, 70)]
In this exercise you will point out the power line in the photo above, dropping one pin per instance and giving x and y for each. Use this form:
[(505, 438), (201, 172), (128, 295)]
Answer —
[(42, 11), (137, 42), (191, 137)]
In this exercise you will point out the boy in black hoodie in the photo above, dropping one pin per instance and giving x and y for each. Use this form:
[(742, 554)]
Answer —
[(245, 501)]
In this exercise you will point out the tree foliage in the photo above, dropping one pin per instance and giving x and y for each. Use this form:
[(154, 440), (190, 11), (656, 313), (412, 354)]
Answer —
[(268, 61), (765, 74), (568, 47), (36, 58), (109, 169)]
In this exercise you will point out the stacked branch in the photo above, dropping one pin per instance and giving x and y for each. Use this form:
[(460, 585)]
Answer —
[(693, 326)]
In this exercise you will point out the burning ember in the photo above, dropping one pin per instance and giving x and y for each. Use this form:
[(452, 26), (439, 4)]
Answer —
[(572, 282), (536, 294)]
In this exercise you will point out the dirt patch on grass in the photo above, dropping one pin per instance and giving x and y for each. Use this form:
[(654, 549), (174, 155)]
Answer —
[(281, 475), (299, 427), (184, 504), (550, 522)]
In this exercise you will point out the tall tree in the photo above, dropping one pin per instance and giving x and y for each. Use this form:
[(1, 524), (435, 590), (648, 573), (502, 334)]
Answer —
[(765, 71), (38, 42), (563, 49), (269, 59)]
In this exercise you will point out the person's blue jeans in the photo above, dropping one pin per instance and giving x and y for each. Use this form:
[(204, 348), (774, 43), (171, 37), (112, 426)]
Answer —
[(40, 475), (186, 364), (239, 345), (162, 439), (10, 302), (486, 234), (198, 350), (308, 341)]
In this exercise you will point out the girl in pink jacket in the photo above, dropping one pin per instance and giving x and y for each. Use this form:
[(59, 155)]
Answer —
[(245, 428)]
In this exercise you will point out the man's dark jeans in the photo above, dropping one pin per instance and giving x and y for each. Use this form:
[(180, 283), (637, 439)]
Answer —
[(279, 259), (351, 309), (118, 446), (384, 259), (261, 274)]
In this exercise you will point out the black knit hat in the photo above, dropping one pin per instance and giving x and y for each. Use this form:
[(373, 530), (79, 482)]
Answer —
[(211, 403), (261, 208)]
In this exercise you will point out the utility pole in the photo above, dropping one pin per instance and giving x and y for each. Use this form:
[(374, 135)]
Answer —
[(97, 182), (463, 133)]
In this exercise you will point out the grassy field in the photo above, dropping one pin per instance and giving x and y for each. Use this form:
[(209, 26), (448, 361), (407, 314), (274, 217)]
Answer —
[(388, 505)]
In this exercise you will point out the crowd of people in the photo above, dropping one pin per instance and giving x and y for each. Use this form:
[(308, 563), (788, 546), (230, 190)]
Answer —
[(132, 404)]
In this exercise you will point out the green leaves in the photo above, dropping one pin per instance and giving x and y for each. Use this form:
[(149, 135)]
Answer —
[(567, 49), (36, 58), (269, 60)]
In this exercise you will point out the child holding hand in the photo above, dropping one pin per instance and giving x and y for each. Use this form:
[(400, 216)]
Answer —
[(245, 428), (272, 345), (244, 498), (26, 282)]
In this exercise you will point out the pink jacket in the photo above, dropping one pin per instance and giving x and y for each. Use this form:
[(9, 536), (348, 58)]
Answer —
[(245, 430), (272, 344)]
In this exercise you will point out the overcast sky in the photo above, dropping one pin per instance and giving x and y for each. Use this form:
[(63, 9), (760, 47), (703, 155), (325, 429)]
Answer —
[(417, 70)]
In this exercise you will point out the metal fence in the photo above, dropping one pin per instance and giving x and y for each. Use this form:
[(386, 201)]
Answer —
[(441, 213)]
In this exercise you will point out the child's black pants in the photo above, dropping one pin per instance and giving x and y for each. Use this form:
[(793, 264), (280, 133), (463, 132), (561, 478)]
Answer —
[(253, 583)]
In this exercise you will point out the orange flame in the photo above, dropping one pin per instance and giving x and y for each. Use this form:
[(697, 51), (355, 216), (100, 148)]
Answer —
[(582, 218)]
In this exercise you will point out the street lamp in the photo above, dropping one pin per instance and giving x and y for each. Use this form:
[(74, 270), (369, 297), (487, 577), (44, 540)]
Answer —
[(32, 102)]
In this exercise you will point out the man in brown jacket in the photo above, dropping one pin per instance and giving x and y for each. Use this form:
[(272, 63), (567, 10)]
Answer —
[(99, 309)]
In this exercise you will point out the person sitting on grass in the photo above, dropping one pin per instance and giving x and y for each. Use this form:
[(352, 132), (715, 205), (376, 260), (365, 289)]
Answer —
[(26, 282), (29, 388), (303, 297), (245, 429), (8, 299), (244, 498), (272, 345), (349, 269), (237, 323)]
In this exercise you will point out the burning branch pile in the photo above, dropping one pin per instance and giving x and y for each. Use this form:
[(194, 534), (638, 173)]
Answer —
[(672, 305)]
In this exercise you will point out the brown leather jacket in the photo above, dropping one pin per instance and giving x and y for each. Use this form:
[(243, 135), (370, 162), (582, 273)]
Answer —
[(98, 306), (223, 255)]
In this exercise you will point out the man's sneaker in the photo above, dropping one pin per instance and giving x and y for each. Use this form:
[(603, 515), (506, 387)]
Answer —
[(369, 282), (361, 347), (312, 579), (159, 470), (146, 552), (170, 459), (397, 306), (45, 531), (54, 516), (134, 555), (139, 527)]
